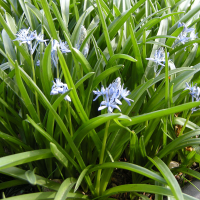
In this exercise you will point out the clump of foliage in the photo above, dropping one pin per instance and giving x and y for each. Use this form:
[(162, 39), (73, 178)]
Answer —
[(86, 83)]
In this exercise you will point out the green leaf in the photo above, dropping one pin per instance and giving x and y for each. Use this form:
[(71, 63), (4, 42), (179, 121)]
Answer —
[(161, 113), (117, 24), (57, 117), (46, 195), (25, 95), (14, 140), (22, 50), (11, 22), (10, 83), (175, 33), (50, 139), (13, 183), (29, 16), (40, 17), (169, 177), (6, 6), (31, 177), (187, 16), (64, 5), (46, 73), (81, 177), (58, 155), (88, 75), (84, 63), (80, 22), (188, 171), (75, 99), (21, 158), (90, 125), (130, 167), (119, 56), (62, 24), (105, 28), (64, 189), (51, 118), (20, 174), (104, 74), (160, 36), (143, 188), (136, 51), (49, 18), (181, 121)]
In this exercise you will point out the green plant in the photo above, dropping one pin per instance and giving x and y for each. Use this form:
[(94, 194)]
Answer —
[(51, 137)]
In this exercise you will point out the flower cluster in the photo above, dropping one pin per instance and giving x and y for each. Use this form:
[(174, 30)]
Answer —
[(64, 48), (194, 92), (27, 36), (184, 36), (112, 96), (59, 88), (159, 59), (81, 38)]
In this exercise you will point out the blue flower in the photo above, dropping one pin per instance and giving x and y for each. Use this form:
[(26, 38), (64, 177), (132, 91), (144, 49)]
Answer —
[(99, 93), (59, 88), (58, 45), (110, 104), (38, 38), (183, 36), (112, 95), (55, 45), (64, 47), (27, 36), (124, 94), (159, 59), (194, 92)]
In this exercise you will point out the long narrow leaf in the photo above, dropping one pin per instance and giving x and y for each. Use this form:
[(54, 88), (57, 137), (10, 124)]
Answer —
[(169, 177)]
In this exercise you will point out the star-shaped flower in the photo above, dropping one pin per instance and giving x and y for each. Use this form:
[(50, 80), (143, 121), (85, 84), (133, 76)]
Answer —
[(99, 93), (124, 94), (183, 36), (112, 95), (64, 47), (59, 88), (159, 57), (38, 38), (110, 104)]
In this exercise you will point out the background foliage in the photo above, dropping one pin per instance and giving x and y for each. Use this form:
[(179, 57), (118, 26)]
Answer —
[(44, 137)]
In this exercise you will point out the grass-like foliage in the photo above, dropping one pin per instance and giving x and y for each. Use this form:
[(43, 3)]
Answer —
[(85, 84)]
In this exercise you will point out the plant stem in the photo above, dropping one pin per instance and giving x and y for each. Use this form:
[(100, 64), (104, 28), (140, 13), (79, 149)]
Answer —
[(102, 157), (34, 79), (183, 128), (166, 98), (69, 118)]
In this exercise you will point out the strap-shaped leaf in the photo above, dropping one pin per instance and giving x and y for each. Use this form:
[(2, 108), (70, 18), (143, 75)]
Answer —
[(58, 154), (25, 157), (104, 74), (49, 18), (88, 75), (92, 124), (47, 195), (143, 188), (169, 177), (130, 167), (64, 189), (81, 177)]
